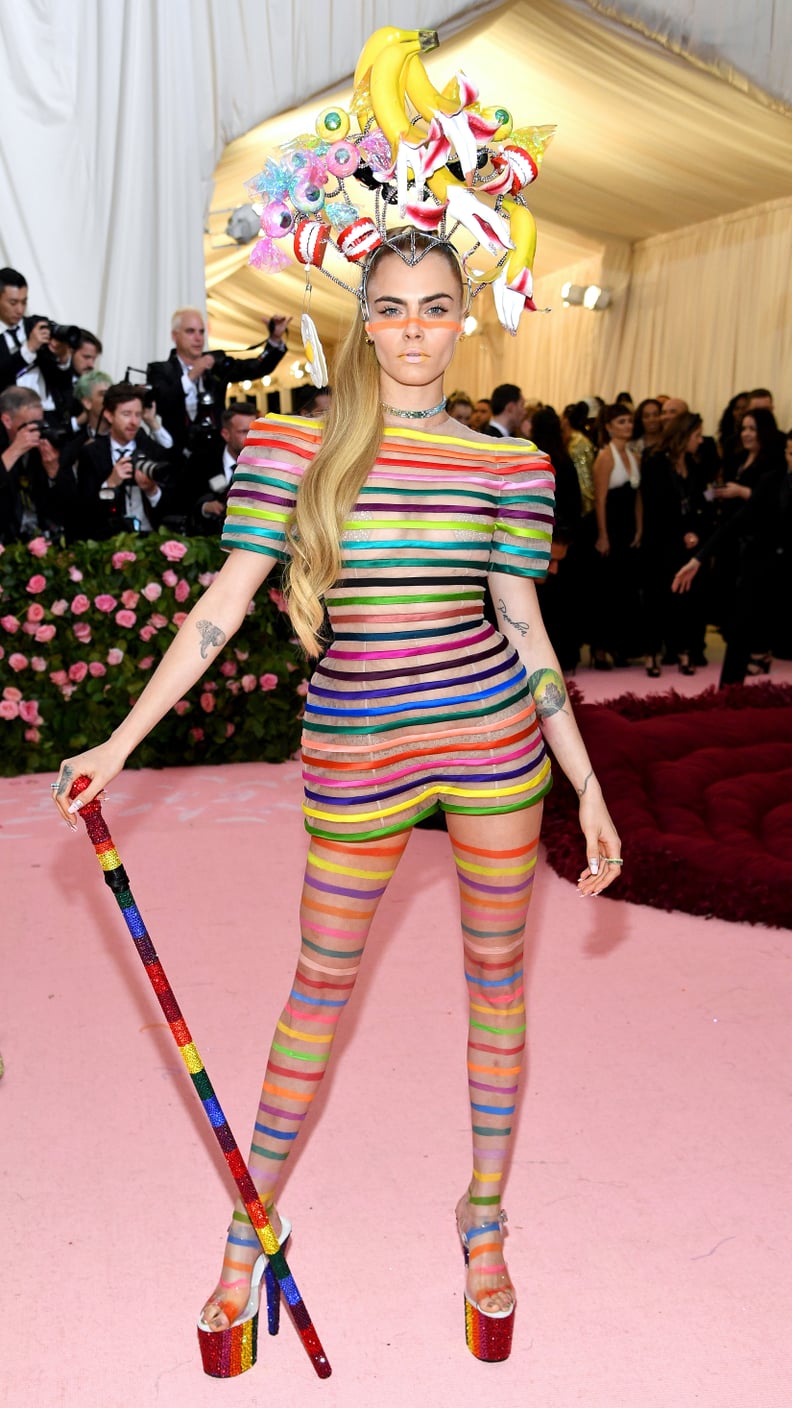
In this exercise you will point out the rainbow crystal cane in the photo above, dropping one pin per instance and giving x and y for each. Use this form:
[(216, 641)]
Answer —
[(118, 881)]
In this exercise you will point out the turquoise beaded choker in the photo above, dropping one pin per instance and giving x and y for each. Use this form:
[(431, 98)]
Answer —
[(415, 415)]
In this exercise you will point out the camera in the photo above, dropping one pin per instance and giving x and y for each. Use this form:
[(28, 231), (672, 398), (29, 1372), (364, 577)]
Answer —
[(63, 332), (57, 435), (157, 470)]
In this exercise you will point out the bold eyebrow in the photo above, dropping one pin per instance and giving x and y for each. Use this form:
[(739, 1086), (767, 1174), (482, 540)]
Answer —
[(430, 298)]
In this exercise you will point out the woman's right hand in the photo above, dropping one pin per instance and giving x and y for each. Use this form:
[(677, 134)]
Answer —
[(684, 577), (100, 764), (603, 545)]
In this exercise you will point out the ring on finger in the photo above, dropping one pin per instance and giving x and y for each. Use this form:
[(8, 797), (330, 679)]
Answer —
[(613, 860)]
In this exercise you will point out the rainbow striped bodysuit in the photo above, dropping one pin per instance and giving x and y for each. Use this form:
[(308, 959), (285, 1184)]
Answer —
[(419, 701)]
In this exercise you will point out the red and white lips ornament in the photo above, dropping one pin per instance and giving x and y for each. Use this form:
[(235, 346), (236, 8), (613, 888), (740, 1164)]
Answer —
[(310, 242), (359, 239)]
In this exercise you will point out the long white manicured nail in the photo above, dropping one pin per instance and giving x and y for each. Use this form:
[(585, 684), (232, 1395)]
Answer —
[(593, 863)]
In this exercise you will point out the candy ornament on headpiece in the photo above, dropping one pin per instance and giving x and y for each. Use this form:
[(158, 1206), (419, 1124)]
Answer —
[(406, 154)]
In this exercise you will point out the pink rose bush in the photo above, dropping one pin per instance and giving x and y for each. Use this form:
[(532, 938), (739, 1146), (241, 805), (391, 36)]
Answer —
[(83, 633), (173, 550)]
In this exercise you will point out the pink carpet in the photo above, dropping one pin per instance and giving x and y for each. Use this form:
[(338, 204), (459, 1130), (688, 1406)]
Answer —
[(649, 1195)]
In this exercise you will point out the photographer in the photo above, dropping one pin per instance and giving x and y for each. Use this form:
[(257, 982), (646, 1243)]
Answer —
[(37, 497), (72, 352), (21, 338), (190, 387), (122, 477), (214, 470)]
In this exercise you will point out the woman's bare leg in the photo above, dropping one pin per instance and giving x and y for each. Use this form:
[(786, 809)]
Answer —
[(495, 858), (344, 882)]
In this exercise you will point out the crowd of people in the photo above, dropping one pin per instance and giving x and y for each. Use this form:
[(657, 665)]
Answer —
[(85, 456), (660, 529)]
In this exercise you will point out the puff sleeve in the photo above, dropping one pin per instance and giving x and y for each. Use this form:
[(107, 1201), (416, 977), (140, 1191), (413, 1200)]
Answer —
[(523, 529)]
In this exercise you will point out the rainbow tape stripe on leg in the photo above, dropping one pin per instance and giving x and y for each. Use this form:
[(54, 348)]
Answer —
[(118, 881)]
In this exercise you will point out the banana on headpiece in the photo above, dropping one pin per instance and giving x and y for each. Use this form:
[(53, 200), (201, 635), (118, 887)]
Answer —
[(406, 153)]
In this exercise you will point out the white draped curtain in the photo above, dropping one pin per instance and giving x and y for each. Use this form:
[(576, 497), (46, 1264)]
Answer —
[(113, 115)]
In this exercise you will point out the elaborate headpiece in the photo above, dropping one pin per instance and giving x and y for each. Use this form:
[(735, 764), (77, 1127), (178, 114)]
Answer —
[(439, 162)]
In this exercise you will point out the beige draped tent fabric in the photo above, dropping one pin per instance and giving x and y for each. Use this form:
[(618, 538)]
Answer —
[(661, 171)]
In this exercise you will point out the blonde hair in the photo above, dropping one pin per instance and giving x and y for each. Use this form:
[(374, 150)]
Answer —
[(352, 435)]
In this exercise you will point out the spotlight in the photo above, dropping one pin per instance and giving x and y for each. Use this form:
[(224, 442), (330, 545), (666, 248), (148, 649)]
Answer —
[(246, 385), (266, 381), (470, 324), (572, 294), (596, 298), (243, 224)]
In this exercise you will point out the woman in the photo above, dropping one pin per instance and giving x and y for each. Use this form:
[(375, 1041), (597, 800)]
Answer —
[(574, 420), (647, 428), (761, 534), (617, 504), (761, 448), (559, 594), (399, 517), (729, 443), (674, 511), (460, 407)]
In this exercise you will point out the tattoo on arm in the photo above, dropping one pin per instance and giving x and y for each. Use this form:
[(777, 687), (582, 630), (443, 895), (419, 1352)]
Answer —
[(65, 781), (549, 692), (210, 635), (521, 626), (586, 780)]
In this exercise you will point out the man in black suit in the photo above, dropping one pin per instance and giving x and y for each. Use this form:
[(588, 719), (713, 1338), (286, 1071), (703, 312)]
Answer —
[(508, 412), (21, 338), (215, 469), (115, 492), (190, 387), (37, 496)]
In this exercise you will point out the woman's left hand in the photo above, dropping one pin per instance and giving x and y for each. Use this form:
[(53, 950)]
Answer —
[(603, 847)]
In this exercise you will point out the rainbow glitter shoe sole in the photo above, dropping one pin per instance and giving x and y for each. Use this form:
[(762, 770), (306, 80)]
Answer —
[(488, 1337), (227, 1353)]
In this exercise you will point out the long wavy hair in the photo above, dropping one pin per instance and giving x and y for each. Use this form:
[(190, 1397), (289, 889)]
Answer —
[(351, 438)]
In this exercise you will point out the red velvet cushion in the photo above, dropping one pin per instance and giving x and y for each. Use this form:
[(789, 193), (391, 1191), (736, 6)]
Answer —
[(701, 794)]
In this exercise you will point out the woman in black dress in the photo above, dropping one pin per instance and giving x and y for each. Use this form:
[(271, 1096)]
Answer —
[(673, 526)]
